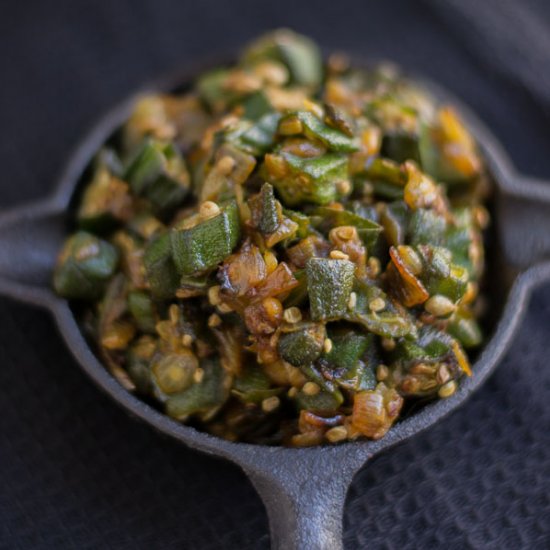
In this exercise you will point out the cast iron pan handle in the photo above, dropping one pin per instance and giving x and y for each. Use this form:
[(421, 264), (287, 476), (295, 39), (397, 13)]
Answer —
[(524, 221), (30, 238), (304, 496)]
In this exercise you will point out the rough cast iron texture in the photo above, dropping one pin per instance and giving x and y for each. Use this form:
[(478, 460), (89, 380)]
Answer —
[(304, 490)]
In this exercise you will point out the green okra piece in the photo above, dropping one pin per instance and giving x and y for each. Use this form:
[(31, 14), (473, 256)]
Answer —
[(299, 54), (106, 200), (160, 268), (205, 244), (159, 174), (142, 308), (84, 266), (334, 139), (395, 220), (318, 184), (466, 330), (426, 227), (202, 398), (349, 361), (440, 275), (259, 137), (266, 210), (329, 284), (253, 386), (388, 322), (329, 218), (322, 402), (256, 105), (303, 345), (401, 146)]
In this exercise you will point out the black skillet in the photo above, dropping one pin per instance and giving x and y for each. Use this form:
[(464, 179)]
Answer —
[(303, 490)]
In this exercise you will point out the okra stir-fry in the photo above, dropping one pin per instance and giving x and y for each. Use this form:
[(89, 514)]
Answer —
[(289, 252)]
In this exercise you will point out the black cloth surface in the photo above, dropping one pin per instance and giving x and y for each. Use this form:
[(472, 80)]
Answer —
[(77, 473)]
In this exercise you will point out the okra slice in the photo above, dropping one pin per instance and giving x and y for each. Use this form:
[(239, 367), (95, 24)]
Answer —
[(465, 329), (401, 127), (329, 285), (253, 385), (377, 313), (440, 275), (200, 245), (299, 54), (142, 308), (303, 345), (322, 402), (307, 179), (426, 227), (173, 373), (203, 398), (350, 363), (258, 137), (232, 167), (395, 220), (334, 139), (160, 268), (326, 218), (106, 200), (158, 173), (84, 266), (266, 210)]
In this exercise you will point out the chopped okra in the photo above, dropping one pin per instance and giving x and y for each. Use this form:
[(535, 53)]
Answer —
[(289, 252)]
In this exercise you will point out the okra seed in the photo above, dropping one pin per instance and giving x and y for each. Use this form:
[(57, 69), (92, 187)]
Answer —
[(214, 295), (374, 266), (378, 304), (338, 255), (314, 108), (327, 345), (336, 434), (198, 375), (471, 293), (290, 126), (270, 261), (368, 190), (439, 305), (174, 314), (443, 374), (187, 340), (481, 216), (388, 344), (343, 187), (352, 302), (269, 404), (214, 320), (292, 392), (272, 307), (209, 209), (382, 372), (225, 165), (292, 315), (224, 308), (345, 232), (311, 388), (272, 72), (447, 390), (411, 259)]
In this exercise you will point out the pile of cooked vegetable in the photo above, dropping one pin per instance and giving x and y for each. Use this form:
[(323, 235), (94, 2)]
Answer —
[(288, 253)]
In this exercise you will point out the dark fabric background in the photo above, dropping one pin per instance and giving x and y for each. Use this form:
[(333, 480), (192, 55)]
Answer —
[(76, 472)]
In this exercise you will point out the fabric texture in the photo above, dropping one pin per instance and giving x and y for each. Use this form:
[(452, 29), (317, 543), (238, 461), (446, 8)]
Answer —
[(76, 472)]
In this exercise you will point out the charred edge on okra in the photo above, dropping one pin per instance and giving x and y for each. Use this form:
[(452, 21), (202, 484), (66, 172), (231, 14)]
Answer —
[(286, 254)]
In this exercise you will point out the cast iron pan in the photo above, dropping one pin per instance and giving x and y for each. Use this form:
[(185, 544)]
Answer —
[(303, 490)]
